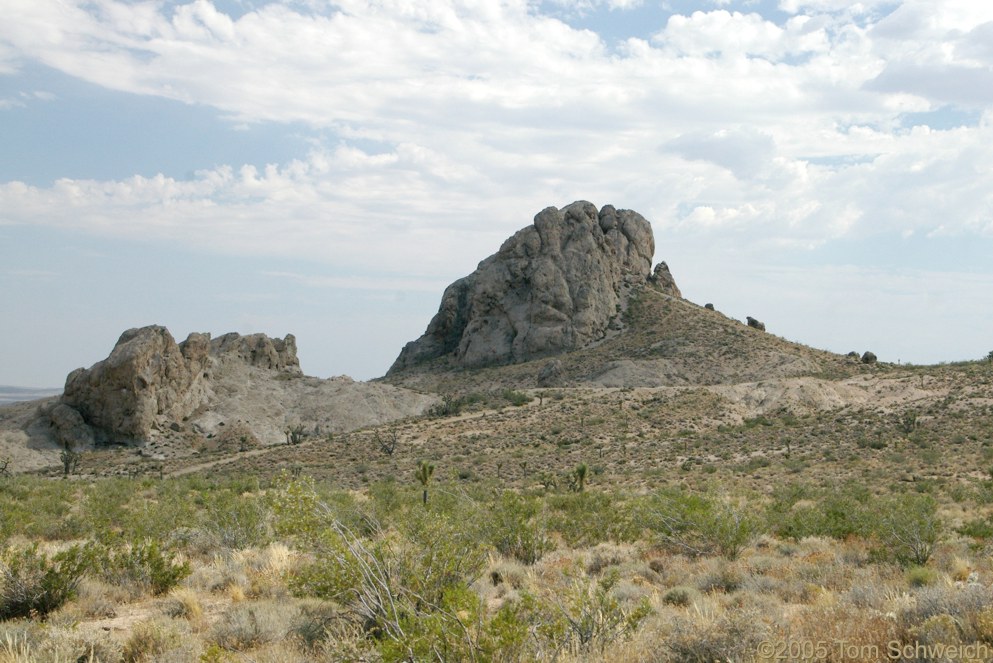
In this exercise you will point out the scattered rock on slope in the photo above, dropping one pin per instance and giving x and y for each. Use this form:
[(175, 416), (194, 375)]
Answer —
[(555, 286), (755, 324)]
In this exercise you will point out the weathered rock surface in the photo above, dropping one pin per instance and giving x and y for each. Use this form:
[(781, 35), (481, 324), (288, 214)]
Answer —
[(152, 388), (663, 281), (147, 377), (555, 286)]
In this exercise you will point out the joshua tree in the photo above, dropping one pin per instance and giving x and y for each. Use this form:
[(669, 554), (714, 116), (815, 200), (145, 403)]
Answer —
[(70, 460), (578, 481), (295, 434), (989, 357), (423, 474)]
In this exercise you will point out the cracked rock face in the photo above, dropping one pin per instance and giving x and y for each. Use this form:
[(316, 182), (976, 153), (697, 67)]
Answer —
[(555, 286), (149, 379)]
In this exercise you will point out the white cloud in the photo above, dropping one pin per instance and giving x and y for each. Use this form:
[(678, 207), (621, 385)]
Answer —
[(742, 150), (774, 133)]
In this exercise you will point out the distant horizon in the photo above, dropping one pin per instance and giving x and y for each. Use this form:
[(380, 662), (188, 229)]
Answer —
[(326, 169)]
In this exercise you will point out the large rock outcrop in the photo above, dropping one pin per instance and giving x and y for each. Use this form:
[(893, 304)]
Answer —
[(555, 286)]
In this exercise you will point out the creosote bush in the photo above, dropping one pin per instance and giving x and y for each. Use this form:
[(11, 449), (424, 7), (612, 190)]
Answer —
[(144, 566), (516, 528), (34, 584)]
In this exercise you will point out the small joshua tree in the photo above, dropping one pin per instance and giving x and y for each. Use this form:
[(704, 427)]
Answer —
[(70, 460), (295, 434), (578, 479), (423, 474)]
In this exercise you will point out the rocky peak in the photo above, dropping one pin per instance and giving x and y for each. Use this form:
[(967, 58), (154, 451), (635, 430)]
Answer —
[(555, 286)]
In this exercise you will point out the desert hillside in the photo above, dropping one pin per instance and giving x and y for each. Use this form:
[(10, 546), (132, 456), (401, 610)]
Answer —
[(597, 470)]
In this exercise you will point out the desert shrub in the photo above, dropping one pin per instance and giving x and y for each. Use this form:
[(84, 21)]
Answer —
[(514, 527), (939, 630), (589, 518), (32, 583), (587, 617), (977, 528), (700, 524), (38, 508), (725, 578), (144, 566), (237, 520), (515, 398), (838, 513), (709, 637), (118, 509), (409, 587), (964, 604), (184, 604), (449, 406), (907, 527), (681, 597), (842, 632), (921, 576)]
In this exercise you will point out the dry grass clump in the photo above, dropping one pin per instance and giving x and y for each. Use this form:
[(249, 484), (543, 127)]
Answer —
[(250, 624), (162, 639), (184, 603), (836, 624), (26, 641), (96, 600), (705, 632)]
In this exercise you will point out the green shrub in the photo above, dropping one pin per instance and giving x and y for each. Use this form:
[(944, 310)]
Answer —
[(700, 524), (33, 584), (589, 518), (921, 576), (906, 526), (977, 528), (588, 617), (838, 512), (513, 526), (237, 520), (144, 566), (515, 398), (408, 586), (679, 596)]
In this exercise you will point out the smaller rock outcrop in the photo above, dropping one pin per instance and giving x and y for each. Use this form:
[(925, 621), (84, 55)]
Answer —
[(149, 380), (662, 279), (755, 324)]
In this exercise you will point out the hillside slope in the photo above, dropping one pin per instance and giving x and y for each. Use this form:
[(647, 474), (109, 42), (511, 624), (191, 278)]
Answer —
[(663, 341)]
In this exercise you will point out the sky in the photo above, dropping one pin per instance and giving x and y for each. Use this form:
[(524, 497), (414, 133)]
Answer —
[(326, 168)]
